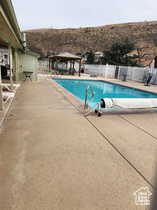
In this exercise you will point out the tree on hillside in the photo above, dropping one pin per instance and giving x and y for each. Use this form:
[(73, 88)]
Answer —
[(119, 54), (90, 57), (141, 53)]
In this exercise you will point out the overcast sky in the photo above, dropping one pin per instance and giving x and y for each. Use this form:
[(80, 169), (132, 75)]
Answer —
[(79, 13)]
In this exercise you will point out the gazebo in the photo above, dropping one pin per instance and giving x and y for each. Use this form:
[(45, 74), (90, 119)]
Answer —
[(64, 58)]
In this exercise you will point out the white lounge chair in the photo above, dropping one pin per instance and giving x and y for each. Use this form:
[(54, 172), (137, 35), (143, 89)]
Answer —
[(7, 86), (7, 95)]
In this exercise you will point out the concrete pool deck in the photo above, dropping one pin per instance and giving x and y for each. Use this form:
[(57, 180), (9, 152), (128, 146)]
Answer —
[(52, 157)]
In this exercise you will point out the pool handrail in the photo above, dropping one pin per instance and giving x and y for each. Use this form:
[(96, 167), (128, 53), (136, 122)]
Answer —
[(87, 94)]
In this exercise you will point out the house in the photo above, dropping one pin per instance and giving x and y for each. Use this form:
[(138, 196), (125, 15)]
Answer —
[(13, 42), (142, 56), (98, 57), (13, 47)]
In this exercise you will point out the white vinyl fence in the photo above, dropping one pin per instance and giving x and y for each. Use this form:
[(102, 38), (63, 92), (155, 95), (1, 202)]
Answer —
[(100, 70), (138, 74)]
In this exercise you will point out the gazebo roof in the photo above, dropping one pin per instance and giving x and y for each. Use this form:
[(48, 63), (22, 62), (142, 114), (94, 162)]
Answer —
[(65, 56)]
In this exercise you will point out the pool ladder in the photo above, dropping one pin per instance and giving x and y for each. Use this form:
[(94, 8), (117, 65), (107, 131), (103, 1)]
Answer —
[(89, 91)]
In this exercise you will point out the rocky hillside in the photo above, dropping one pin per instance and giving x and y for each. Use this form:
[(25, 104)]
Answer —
[(143, 34)]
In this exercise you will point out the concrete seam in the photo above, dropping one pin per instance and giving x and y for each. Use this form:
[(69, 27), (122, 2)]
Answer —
[(142, 129), (118, 151)]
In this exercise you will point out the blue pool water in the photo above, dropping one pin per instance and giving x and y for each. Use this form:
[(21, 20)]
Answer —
[(101, 89)]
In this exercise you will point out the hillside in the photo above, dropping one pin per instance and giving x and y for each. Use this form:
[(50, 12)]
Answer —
[(143, 34)]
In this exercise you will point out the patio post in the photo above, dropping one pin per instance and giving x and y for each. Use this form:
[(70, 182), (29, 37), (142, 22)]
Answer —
[(1, 97), (11, 67)]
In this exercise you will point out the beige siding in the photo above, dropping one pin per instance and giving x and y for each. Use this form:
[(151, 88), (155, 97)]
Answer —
[(27, 63)]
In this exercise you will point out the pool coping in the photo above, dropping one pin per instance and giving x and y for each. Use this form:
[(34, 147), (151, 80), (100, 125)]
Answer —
[(76, 102)]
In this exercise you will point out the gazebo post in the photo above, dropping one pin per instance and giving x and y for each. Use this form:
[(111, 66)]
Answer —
[(57, 64), (49, 63), (66, 65), (73, 66), (70, 67), (52, 65), (80, 68)]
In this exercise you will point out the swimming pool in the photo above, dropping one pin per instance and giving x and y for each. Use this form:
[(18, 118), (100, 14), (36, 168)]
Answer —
[(101, 89)]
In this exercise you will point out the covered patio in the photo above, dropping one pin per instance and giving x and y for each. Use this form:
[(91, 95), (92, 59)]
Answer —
[(15, 57), (11, 41), (65, 59)]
